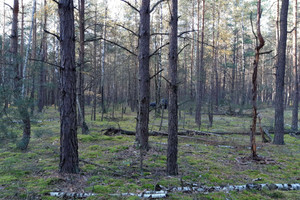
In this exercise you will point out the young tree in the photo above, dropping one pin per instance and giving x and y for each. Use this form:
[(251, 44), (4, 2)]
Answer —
[(172, 168), (280, 74), (68, 124), (260, 42)]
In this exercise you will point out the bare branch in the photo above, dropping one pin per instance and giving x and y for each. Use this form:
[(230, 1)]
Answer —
[(291, 30), (127, 29), (152, 34), (158, 49), (184, 32), (52, 34), (156, 74), (266, 52), (183, 48), (134, 8), (8, 6), (114, 43), (56, 2), (52, 64), (166, 80), (157, 3)]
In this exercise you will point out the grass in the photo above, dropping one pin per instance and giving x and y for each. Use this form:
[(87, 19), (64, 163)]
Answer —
[(208, 160)]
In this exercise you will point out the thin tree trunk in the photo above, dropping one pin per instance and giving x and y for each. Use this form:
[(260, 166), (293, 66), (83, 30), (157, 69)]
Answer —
[(42, 73), (259, 45), (295, 75), (68, 128), (172, 167), (200, 67), (103, 68), (280, 74), (144, 76)]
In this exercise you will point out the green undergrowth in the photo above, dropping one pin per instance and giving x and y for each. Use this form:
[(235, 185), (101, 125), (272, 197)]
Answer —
[(112, 163)]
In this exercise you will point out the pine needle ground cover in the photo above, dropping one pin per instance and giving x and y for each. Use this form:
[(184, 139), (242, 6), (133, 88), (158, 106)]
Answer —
[(111, 164)]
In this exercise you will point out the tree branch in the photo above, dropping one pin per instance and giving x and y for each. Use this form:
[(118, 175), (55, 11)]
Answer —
[(184, 32), (56, 2), (266, 52), (127, 29), (156, 73), (52, 64), (183, 48), (158, 49), (157, 3), (291, 30), (134, 8), (52, 34), (114, 43), (8, 6)]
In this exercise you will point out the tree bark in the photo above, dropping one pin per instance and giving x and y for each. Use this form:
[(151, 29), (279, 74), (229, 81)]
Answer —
[(144, 76), (68, 124), (295, 75), (280, 74), (200, 67), (42, 72), (259, 45), (172, 167)]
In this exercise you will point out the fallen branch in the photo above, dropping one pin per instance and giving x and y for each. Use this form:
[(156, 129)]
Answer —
[(250, 186), (146, 194), (71, 194)]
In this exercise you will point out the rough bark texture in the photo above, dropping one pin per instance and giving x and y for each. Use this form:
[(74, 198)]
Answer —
[(172, 167), (68, 127), (144, 76), (280, 73), (295, 116)]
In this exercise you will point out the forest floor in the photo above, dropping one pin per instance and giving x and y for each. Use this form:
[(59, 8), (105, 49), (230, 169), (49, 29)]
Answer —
[(111, 164)]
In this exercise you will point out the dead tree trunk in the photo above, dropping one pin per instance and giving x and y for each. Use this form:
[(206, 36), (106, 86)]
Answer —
[(68, 124), (259, 44)]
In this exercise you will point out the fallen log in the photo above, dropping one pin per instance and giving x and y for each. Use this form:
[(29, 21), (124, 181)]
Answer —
[(251, 186), (71, 194), (113, 131), (162, 192)]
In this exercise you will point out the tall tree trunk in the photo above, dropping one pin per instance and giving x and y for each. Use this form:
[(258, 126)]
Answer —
[(259, 45), (80, 94), (42, 72), (280, 73), (295, 71), (33, 56), (144, 76), (103, 54), (68, 124), (192, 53), (200, 67), (172, 167), (21, 105)]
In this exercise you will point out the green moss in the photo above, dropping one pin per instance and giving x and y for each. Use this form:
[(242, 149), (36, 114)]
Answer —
[(6, 179), (101, 189)]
